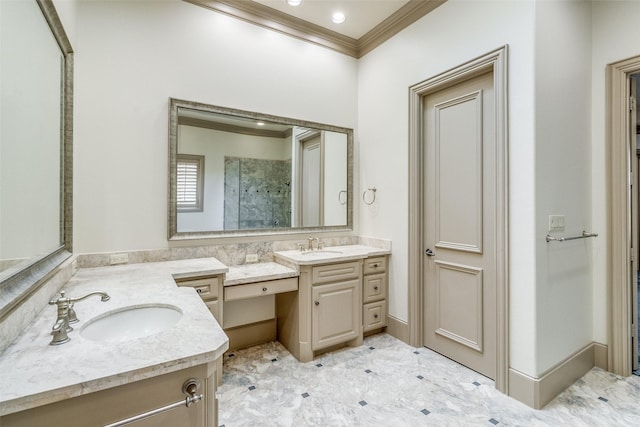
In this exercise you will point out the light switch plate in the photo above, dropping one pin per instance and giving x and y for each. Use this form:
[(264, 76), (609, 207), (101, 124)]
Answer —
[(251, 258), (556, 222)]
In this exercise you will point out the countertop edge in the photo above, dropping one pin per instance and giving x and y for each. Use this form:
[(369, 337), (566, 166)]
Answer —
[(76, 390)]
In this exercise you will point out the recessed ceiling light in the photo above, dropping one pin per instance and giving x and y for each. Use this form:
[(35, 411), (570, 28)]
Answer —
[(294, 2), (260, 123), (338, 18)]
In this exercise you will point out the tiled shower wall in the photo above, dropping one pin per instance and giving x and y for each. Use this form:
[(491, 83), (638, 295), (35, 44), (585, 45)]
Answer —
[(257, 193)]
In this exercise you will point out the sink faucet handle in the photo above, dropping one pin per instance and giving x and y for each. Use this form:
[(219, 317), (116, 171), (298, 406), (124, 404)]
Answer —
[(320, 244), (60, 299)]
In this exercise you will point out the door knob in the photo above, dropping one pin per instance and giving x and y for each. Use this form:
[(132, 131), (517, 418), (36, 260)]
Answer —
[(429, 252)]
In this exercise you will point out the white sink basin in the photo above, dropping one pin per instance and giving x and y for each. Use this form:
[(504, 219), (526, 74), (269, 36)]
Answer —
[(320, 253), (131, 322)]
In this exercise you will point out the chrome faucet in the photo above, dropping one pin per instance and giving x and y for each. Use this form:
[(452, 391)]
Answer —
[(66, 315)]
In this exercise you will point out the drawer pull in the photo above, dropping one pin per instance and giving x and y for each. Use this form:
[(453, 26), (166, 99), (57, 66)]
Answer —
[(264, 289), (199, 290), (375, 316), (376, 265), (375, 288), (317, 303)]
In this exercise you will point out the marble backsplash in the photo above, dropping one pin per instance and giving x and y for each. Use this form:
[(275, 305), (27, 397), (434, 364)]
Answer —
[(229, 254)]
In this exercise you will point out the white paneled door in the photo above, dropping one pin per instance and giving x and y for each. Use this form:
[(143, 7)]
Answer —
[(460, 223)]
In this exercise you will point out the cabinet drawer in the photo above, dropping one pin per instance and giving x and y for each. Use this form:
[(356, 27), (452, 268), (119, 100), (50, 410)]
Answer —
[(374, 287), (374, 315), (252, 290), (335, 272), (206, 288), (214, 308), (375, 265)]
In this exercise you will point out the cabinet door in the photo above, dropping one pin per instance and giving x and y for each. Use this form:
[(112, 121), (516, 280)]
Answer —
[(336, 313)]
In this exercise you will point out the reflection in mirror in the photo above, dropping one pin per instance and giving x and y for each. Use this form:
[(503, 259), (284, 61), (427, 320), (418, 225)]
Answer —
[(238, 172), (35, 146)]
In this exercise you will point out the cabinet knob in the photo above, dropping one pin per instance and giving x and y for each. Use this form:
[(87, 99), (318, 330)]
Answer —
[(317, 303), (376, 265), (264, 289), (375, 288), (375, 316), (199, 291)]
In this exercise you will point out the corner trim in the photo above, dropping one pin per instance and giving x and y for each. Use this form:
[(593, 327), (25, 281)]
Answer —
[(537, 392)]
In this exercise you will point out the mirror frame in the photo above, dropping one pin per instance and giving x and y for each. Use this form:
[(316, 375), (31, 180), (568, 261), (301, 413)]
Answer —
[(23, 283), (174, 234)]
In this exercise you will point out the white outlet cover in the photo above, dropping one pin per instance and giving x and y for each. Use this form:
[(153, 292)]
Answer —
[(252, 258), (556, 223)]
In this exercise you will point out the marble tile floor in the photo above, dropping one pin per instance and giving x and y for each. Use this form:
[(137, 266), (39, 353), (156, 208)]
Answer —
[(388, 383)]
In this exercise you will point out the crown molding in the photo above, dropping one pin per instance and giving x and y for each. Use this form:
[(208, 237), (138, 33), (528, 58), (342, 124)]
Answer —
[(266, 17), (398, 21), (272, 19)]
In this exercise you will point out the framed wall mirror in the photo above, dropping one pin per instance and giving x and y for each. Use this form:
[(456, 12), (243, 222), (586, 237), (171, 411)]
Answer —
[(238, 173), (36, 96)]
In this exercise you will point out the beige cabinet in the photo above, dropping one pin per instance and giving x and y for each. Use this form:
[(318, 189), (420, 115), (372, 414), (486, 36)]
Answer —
[(374, 294), (210, 290), (130, 400), (325, 312), (335, 313)]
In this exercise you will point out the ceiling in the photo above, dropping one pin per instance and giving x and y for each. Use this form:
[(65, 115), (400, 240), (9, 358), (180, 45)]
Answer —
[(368, 23), (361, 15)]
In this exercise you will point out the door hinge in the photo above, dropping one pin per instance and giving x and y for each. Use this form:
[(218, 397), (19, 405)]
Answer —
[(632, 103), (633, 255)]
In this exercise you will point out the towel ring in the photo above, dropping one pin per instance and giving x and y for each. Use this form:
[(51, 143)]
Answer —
[(371, 198), (340, 200)]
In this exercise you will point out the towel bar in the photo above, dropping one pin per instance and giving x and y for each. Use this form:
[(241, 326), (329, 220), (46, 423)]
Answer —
[(585, 234), (190, 387)]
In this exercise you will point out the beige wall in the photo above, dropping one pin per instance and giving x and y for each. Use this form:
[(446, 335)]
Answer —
[(563, 179), (131, 57)]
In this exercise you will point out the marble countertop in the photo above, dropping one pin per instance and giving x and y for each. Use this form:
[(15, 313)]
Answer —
[(35, 373), (329, 254), (260, 272)]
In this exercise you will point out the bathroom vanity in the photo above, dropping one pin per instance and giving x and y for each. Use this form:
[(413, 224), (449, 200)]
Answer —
[(331, 303), (106, 379)]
